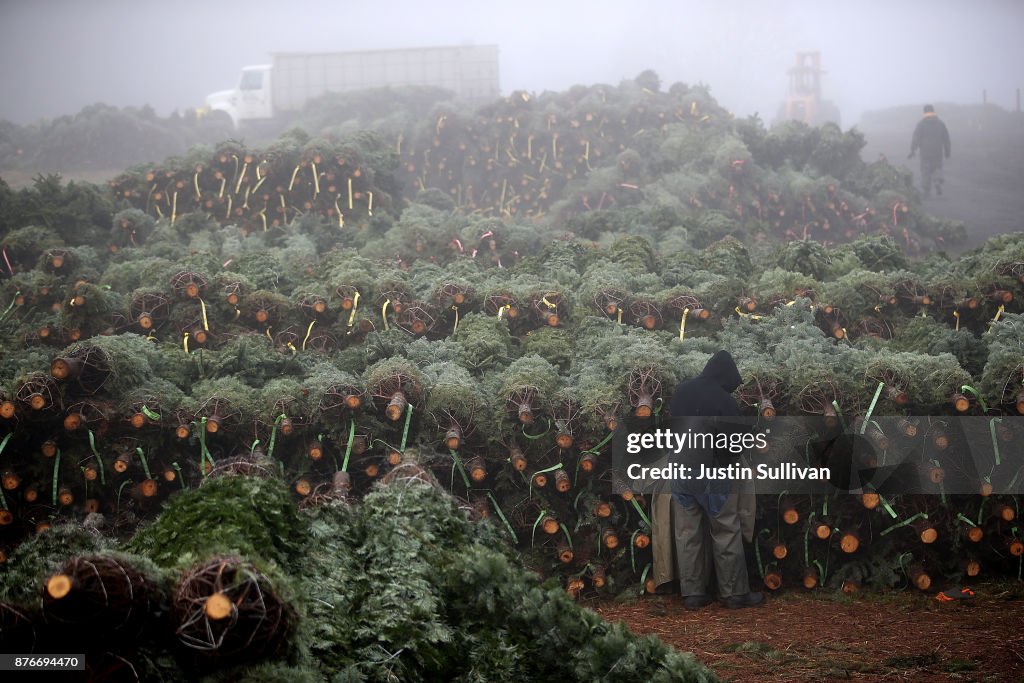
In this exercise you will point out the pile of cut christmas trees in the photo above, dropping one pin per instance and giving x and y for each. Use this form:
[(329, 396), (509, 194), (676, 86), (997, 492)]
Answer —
[(627, 158), (234, 582), (148, 345), (133, 375)]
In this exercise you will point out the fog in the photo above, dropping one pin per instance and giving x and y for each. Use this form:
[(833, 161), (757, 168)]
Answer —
[(57, 56)]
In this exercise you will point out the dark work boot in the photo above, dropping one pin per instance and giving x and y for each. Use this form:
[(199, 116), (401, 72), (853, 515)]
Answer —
[(741, 601), (692, 602)]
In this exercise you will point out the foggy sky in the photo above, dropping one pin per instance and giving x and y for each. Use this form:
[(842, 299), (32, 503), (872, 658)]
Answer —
[(57, 56)]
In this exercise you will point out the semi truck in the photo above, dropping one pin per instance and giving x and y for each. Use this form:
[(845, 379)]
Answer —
[(292, 79)]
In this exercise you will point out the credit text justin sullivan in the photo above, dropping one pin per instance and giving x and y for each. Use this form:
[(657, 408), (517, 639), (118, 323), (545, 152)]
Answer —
[(783, 471)]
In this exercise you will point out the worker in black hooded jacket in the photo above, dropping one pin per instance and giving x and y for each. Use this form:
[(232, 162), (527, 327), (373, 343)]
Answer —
[(705, 512), (932, 137)]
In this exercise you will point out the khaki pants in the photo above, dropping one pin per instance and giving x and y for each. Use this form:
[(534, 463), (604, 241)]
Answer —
[(702, 540), (662, 540), (663, 523)]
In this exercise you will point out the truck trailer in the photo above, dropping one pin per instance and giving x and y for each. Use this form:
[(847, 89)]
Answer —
[(292, 79)]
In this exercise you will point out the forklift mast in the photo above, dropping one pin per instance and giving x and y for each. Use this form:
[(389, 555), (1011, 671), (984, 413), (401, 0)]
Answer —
[(804, 99)]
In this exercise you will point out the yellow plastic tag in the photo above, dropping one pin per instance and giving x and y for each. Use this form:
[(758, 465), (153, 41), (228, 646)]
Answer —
[(355, 307), (308, 331), (682, 323)]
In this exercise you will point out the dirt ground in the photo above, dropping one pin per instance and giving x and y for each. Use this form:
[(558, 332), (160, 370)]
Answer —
[(822, 637)]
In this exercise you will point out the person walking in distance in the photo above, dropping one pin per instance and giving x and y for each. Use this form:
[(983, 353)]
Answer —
[(708, 515), (932, 138)]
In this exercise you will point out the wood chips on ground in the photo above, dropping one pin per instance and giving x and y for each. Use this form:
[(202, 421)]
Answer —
[(870, 637)]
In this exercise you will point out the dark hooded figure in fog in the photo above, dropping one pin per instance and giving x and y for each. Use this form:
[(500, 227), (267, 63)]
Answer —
[(932, 138), (707, 522)]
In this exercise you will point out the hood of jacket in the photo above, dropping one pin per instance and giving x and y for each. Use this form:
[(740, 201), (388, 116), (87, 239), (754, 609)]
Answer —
[(722, 369)]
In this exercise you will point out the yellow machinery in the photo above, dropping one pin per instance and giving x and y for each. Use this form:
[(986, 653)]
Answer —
[(804, 102)]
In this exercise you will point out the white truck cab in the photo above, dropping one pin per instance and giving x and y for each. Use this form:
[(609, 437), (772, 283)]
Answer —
[(283, 87), (250, 100)]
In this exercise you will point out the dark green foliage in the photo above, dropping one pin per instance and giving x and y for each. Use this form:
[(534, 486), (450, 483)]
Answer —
[(728, 257), (871, 179), (398, 373), (21, 362), (435, 199), (484, 342), (711, 227), (131, 227), (409, 609), (790, 141), (417, 591), (878, 253), (78, 213), (633, 253), (24, 244), (486, 587), (777, 284), (927, 335), (135, 361), (226, 397), (454, 397), (249, 357), (104, 137), (401, 585), (42, 555), (166, 396), (228, 515), (552, 344), (837, 153), (560, 262), (274, 672), (929, 381), (529, 374), (594, 224), (262, 268), (881, 572), (1003, 376), (804, 256), (141, 271), (335, 534)]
